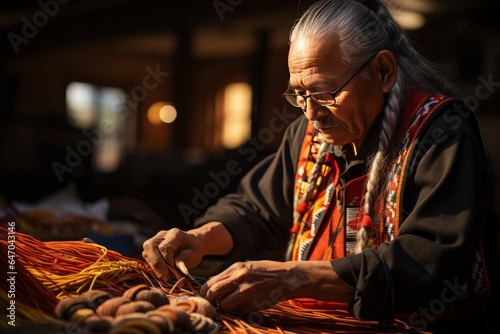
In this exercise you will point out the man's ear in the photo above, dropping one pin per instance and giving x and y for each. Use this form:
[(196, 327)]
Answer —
[(386, 67)]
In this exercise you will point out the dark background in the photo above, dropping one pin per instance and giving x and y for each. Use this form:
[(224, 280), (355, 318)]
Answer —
[(111, 42)]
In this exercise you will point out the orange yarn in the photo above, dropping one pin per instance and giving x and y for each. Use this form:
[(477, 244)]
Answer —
[(85, 283)]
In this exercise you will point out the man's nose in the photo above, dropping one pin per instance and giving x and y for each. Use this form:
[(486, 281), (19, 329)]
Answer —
[(313, 110)]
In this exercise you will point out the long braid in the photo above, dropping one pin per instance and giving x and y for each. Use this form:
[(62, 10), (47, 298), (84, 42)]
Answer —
[(376, 182), (376, 177)]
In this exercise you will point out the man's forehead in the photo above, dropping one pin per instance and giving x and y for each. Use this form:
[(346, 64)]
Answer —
[(307, 50), (318, 59), (314, 64)]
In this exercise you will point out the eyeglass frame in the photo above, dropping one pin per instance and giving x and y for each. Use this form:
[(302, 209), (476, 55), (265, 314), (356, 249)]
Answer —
[(333, 93)]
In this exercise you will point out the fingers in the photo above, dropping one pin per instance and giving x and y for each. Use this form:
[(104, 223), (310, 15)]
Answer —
[(154, 259), (233, 299), (159, 252), (190, 257), (217, 287), (225, 289), (248, 286), (223, 293)]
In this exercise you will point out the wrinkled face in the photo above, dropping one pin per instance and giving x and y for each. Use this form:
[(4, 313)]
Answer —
[(316, 66)]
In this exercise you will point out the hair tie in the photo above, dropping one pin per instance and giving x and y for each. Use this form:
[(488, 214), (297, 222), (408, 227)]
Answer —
[(367, 222)]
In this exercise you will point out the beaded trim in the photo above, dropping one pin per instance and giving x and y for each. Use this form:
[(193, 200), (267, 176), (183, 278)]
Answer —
[(392, 216)]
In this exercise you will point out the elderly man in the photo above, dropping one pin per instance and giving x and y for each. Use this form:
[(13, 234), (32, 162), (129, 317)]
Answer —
[(382, 191)]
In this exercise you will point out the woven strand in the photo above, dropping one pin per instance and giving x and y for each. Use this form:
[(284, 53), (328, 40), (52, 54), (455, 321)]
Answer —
[(57, 272)]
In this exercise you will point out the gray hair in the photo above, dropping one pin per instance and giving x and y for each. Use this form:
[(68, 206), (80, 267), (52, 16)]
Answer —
[(363, 28)]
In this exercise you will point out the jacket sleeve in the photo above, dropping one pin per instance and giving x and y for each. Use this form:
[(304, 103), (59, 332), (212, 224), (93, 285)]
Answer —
[(259, 214), (447, 194)]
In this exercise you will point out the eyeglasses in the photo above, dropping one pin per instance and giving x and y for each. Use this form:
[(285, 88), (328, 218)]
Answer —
[(322, 98)]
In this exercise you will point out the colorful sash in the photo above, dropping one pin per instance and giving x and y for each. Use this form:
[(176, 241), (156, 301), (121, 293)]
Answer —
[(392, 215), (321, 233), (476, 288)]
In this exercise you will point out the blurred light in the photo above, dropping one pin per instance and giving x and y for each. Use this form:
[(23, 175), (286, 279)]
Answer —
[(237, 115), (98, 108), (154, 113), (108, 156), (409, 20), (168, 113), (80, 101), (112, 100), (161, 112)]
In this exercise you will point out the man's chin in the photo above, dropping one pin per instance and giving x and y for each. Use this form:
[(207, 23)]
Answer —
[(328, 138)]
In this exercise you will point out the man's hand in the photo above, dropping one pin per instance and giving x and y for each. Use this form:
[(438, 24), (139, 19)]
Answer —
[(162, 250), (256, 285), (251, 285)]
